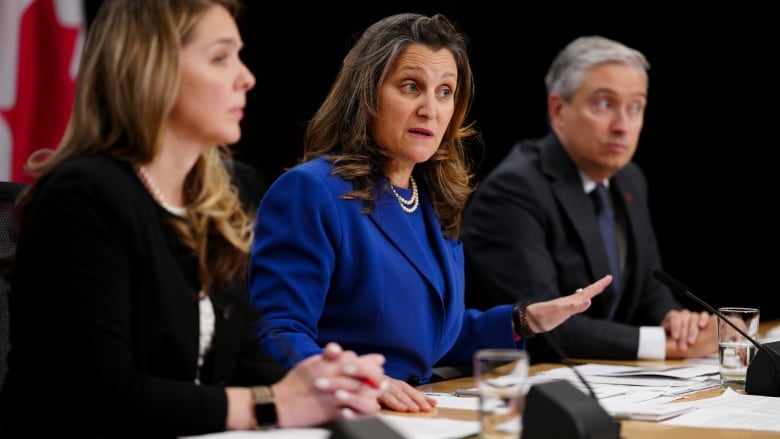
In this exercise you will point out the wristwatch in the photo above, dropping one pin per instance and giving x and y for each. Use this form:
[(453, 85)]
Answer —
[(265, 407)]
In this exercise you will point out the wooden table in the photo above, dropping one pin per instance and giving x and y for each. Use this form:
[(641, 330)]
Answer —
[(628, 429)]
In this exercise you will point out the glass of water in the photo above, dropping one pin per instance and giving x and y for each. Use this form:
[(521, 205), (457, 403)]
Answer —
[(735, 352), (500, 376)]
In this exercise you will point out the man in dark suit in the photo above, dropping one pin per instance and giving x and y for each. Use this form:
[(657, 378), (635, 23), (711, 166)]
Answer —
[(531, 230)]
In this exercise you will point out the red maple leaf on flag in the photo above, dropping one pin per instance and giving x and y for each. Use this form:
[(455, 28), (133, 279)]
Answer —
[(45, 88)]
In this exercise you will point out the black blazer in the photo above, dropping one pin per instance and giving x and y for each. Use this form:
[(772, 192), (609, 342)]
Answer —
[(530, 234), (104, 317)]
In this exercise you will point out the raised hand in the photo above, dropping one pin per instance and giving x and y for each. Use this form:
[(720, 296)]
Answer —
[(547, 315)]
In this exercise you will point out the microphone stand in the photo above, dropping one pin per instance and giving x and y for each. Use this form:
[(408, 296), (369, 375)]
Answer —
[(762, 376)]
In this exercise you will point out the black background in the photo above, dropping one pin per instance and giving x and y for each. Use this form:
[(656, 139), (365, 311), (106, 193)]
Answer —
[(709, 137)]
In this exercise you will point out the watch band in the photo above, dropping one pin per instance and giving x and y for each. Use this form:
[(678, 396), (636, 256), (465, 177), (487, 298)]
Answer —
[(265, 407)]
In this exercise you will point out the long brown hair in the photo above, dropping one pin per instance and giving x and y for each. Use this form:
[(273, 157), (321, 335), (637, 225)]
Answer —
[(341, 126)]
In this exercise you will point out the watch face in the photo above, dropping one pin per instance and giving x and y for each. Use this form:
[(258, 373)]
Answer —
[(265, 413)]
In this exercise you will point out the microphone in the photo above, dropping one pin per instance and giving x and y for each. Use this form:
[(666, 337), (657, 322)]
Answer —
[(762, 376), (557, 409)]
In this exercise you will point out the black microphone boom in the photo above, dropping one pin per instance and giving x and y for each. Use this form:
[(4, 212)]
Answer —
[(762, 374)]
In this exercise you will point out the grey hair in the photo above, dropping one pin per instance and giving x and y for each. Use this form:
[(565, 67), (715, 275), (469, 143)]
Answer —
[(565, 73)]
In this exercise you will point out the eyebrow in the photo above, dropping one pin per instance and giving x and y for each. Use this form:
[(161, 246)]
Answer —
[(415, 69), (226, 41), (613, 92)]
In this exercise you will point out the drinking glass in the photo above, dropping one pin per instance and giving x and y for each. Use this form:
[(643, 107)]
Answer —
[(500, 376), (735, 352)]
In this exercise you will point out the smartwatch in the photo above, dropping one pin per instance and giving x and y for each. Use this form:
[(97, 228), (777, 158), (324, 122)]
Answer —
[(265, 407)]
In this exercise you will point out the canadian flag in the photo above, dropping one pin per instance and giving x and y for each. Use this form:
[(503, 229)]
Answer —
[(40, 50)]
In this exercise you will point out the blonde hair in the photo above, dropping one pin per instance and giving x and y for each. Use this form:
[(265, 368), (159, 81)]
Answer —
[(127, 85)]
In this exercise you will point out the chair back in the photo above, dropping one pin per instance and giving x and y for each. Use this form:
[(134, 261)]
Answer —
[(8, 230)]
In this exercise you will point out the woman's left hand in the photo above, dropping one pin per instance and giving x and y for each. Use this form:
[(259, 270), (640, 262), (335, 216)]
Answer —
[(402, 397)]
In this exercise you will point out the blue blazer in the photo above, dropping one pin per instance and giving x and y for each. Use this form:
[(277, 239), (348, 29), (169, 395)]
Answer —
[(321, 270)]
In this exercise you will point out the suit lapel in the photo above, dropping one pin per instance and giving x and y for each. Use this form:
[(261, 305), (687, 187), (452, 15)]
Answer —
[(442, 248), (576, 207), (390, 220)]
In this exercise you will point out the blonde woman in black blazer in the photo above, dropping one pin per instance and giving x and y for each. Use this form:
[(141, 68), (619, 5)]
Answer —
[(129, 313)]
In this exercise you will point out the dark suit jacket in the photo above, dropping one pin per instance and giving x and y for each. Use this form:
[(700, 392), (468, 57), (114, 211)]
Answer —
[(530, 234), (104, 317)]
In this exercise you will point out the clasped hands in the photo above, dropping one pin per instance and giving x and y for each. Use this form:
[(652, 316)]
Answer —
[(336, 384), (690, 334)]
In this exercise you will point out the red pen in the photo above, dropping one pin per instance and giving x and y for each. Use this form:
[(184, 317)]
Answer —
[(369, 382)]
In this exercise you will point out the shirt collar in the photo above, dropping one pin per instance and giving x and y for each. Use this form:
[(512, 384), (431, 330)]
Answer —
[(588, 184)]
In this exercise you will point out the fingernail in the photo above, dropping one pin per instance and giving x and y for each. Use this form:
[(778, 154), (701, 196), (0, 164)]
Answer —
[(347, 413), (322, 383), (333, 348), (341, 394), (384, 385), (350, 369)]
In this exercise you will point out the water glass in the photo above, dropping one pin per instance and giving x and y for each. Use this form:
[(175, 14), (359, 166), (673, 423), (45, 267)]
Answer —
[(500, 376), (735, 352)]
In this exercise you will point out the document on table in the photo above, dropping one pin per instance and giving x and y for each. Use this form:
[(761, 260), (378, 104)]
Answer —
[(637, 392), (409, 427), (640, 393), (643, 406), (431, 428), (450, 401), (274, 433), (772, 335), (680, 372), (612, 370), (610, 380), (731, 410)]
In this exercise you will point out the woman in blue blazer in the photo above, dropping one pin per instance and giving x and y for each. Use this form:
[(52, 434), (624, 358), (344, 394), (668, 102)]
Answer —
[(359, 243)]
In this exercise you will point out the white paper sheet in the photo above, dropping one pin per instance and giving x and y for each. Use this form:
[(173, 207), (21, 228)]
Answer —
[(450, 401), (732, 410), (431, 428), (276, 433)]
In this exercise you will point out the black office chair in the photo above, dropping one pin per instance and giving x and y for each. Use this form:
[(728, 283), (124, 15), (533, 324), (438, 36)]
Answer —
[(8, 230)]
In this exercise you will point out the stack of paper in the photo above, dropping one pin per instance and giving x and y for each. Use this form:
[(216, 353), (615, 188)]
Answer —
[(636, 392), (731, 410), (608, 380)]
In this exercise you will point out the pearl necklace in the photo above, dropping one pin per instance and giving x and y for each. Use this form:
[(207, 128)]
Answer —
[(411, 204), (147, 180)]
